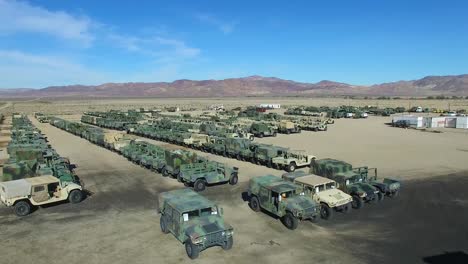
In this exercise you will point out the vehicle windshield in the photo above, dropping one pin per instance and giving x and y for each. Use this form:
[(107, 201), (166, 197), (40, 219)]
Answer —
[(330, 185), (200, 213), (287, 194)]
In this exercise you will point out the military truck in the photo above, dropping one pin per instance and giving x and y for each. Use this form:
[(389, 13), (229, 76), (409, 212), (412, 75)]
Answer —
[(282, 199), (263, 154), (199, 175), (353, 181), (261, 130), (175, 158), (291, 160), (323, 191), (239, 148), (287, 127), (194, 220), (25, 194)]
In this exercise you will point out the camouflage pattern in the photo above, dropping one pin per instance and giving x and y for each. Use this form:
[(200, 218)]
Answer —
[(356, 180), (261, 129), (287, 127), (264, 153), (208, 172), (268, 190), (194, 220)]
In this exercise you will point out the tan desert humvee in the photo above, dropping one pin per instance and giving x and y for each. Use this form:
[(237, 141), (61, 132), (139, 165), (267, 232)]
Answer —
[(24, 194)]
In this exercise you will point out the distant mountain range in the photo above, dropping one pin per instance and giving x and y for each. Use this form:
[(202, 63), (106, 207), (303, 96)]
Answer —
[(251, 86)]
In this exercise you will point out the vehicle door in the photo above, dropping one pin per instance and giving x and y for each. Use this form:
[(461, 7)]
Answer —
[(40, 194), (264, 197), (176, 223)]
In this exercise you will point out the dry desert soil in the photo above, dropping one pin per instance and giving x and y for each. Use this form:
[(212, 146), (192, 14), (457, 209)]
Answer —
[(118, 222)]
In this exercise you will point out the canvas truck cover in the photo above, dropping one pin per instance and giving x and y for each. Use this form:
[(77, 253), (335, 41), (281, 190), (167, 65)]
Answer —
[(16, 188)]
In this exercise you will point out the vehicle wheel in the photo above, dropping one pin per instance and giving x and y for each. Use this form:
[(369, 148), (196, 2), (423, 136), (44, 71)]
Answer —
[(275, 134), (251, 138), (288, 132), (395, 194), (238, 157), (228, 243), (291, 167), (75, 196), (357, 202), (192, 250), (260, 135), (165, 173), (269, 164), (255, 204), (326, 212), (179, 177), (290, 221), (347, 208), (199, 185), (380, 196), (234, 179), (22, 208), (163, 224)]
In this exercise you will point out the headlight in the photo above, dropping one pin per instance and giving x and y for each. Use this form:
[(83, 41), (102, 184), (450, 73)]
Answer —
[(227, 233), (198, 240)]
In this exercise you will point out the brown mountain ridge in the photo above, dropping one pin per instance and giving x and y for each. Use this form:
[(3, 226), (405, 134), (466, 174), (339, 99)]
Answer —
[(251, 86)]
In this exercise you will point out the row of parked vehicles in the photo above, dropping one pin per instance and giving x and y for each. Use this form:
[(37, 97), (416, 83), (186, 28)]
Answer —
[(35, 175), (185, 166)]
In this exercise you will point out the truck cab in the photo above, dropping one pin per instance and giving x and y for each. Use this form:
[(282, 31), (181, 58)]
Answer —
[(23, 194), (281, 198), (194, 220), (324, 191)]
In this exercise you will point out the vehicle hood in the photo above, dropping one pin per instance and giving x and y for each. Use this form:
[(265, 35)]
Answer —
[(206, 225), (333, 196), (365, 187), (299, 202)]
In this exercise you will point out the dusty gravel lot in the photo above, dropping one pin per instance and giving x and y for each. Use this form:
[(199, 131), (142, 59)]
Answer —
[(118, 223)]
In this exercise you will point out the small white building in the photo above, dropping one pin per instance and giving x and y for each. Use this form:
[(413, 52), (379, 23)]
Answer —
[(462, 122), (435, 122), (270, 106)]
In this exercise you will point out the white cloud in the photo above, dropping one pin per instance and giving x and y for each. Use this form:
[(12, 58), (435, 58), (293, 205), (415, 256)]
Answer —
[(16, 16), (225, 27), (160, 48), (25, 70)]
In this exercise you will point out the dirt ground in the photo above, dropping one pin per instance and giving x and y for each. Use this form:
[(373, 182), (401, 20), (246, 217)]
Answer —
[(118, 223)]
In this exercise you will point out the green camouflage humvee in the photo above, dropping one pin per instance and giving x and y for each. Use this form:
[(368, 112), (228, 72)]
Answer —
[(194, 220), (283, 199), (201, 174)]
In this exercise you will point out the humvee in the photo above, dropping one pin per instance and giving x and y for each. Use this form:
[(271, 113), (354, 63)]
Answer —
[(291, 160), (23, 194), (261, 129), (199, 175), (288, 127), (194, 220), (323, 191), (352, 181), (282, 199)]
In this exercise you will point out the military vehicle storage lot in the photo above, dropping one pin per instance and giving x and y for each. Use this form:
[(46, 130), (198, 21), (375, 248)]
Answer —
[(118, 223)]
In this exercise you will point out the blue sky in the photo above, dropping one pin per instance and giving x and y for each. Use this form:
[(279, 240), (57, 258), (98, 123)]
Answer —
[(58, 42)]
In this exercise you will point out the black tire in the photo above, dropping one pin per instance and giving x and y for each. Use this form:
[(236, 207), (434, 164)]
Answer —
[(199, 185), (357, 202), (326, 212), (251, 138), (192, 250), (255, 204), (269, 164), (346, 208), (291, 167), (380, 197), (275, 134), (238, 157), (227, 245), (163, 224), (395, 194), (165, 173), (288, 132), (289, 221), (22, 208), (234, 179), (75, 196), (260, 135)]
